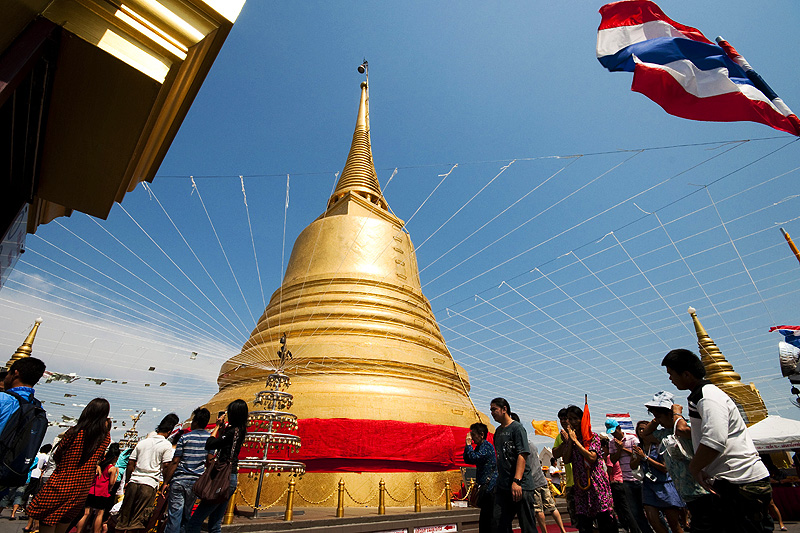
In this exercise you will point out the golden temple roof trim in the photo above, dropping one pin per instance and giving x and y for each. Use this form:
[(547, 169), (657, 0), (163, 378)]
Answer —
[(359, 174)]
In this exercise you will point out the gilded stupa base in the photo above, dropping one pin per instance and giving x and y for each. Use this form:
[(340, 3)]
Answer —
[(320, 489)]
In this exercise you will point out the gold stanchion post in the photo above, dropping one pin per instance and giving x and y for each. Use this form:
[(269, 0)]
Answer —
[(340, 503), (417, 497), (289, 514), (382, 497), (447, 504), (229, 511)]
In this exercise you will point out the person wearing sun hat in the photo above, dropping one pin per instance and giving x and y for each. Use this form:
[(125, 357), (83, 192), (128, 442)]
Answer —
[(620, 449), (675, 438)]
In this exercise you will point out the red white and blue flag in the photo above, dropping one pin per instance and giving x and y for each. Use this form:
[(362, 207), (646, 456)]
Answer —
[(791, 334), (686, 74)]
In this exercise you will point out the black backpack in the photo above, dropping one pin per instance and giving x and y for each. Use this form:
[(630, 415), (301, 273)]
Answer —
[(20, 440)]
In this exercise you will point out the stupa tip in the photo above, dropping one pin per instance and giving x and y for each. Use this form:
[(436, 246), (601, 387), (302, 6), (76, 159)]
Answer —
[(692, 310), (39, 320)]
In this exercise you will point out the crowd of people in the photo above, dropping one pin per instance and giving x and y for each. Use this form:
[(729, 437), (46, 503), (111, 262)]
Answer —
[(701, 473), (674, 474), (80, 479)]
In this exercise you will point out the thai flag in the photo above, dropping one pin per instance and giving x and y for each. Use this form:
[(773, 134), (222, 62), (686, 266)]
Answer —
[(791, 334), (686, 74), (624, 421)]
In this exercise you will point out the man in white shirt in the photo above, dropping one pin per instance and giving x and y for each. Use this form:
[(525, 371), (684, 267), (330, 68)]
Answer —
[(725, 459), (146, 467)]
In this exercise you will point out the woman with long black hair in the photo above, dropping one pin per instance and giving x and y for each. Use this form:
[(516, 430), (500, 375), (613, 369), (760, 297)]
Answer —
[(226, 439), (62, 498)]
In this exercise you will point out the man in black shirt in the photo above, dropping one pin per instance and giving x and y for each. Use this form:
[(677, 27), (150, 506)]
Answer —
[(514, 492)]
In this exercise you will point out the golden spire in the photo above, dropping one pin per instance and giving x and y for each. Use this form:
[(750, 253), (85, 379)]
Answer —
[(26, 348), (721, 373), (359, 174)]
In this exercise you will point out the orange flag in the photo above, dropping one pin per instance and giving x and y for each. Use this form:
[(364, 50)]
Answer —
[(586, 422), (547, 428)]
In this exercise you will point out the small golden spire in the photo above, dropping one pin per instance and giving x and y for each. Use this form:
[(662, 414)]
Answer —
[(718, 369), (26, 349), (359, 174), (721, 373)]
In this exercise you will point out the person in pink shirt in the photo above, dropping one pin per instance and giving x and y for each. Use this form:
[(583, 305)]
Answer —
[(615, 479), (620, 448)]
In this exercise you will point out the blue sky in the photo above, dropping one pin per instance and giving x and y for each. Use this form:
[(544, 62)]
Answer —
[(484, 86)]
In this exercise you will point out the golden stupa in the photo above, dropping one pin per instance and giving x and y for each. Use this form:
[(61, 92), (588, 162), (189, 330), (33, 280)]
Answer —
[(721, 373), (367, 348), (26, 348)]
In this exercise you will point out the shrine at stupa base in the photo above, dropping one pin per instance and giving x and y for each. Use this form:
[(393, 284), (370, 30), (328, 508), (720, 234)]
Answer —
[(377, 394)]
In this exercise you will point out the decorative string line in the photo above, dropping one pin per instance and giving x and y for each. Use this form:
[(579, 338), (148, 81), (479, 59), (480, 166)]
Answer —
[(222, 249), (154, 196), (444, 177), (311, 502), (179, 269), (538, 335), (661, 265), (253, 242), (501, 213), (603, 212), (555, 390), (134, 314), (617, 297), (588, 345), (104, 275), (651, 283), (502, 169), (739, 255), (716, 144), (585, 310), (260, 507), (313, 251), (534, 217), (371, 497), (283, 252), (161, 276), (11, 288)]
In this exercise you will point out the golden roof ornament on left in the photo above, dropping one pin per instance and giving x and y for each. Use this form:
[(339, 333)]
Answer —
[(26, 349)]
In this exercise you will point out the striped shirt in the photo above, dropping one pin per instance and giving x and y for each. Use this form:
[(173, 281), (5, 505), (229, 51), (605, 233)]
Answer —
[(191, 449)]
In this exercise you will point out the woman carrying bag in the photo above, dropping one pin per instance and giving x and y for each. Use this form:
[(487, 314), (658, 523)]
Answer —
[(226, 439)]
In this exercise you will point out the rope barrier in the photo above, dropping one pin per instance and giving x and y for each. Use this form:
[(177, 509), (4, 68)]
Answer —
[(410, 495), (261, 507), (365, 502), (433, 500), (312, 502)]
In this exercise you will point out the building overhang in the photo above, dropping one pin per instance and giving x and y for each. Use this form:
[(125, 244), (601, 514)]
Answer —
[(106, 86)]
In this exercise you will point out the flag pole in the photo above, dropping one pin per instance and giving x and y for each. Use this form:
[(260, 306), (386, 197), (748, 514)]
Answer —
[(791, 244), (759, 82)]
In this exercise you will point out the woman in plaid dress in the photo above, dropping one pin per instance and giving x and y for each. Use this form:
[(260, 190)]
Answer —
[(62, 498)]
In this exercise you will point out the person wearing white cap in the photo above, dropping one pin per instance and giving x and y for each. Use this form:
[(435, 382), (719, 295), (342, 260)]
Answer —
[(725, 460), (675, 439)]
